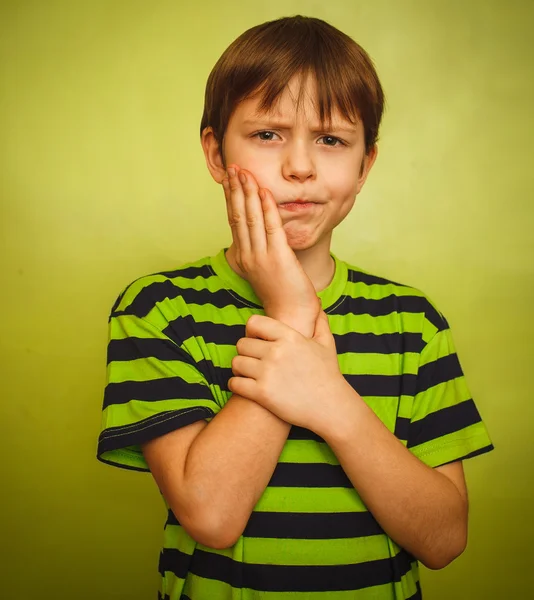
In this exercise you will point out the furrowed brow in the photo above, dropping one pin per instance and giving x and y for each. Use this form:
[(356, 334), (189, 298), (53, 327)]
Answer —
[(285, 126)]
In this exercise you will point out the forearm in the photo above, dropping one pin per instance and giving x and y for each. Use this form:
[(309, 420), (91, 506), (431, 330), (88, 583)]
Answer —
[(231, 461), (418, 507)]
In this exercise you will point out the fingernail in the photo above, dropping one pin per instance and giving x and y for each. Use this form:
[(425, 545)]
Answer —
[(242, 177), (231, 171)]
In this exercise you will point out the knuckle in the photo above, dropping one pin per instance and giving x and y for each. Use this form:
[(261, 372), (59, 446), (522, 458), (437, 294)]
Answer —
[(253, 220), (234, 219)]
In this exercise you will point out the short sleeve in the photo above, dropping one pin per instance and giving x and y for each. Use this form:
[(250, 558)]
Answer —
[(153, 387), (445, 425)]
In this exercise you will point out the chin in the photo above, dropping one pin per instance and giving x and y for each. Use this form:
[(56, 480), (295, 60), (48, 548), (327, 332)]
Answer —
[(299, 240)]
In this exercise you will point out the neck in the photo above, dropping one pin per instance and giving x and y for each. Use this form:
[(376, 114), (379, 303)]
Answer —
[(316, 262)]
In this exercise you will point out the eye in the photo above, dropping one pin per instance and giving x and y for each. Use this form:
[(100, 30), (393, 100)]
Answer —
[(337, 141), (331, 137), (263, 133)]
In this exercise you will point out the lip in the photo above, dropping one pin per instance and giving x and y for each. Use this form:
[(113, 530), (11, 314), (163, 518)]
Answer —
[(297, 206)]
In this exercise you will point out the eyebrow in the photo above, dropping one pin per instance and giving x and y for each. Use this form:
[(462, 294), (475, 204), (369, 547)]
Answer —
[(286, 126)]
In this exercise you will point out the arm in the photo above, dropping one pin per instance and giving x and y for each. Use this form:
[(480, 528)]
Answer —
[(213, 474), (424, 510)]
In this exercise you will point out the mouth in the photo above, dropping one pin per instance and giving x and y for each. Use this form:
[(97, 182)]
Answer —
[(299, 201), (297, 205)]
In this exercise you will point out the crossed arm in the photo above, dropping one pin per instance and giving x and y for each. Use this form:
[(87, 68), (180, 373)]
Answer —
[(213, 474)]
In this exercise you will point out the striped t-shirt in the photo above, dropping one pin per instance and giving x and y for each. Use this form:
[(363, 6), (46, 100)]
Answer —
[(172, 337)]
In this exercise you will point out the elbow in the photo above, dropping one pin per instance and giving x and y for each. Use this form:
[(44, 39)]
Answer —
[(212, 532), (439, 560), (215, 539)]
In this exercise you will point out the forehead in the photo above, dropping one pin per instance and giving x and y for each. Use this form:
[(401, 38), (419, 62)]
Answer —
[(285, 108)]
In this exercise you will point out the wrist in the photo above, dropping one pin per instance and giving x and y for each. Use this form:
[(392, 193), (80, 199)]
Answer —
[(341, 412), (302, 322)]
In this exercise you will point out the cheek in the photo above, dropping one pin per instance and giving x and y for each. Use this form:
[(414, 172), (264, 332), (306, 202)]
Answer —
[(342, 183)]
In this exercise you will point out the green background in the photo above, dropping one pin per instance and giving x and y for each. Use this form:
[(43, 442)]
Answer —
[(102, 180)]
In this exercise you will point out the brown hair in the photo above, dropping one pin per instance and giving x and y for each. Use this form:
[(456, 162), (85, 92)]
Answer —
[(263, 59)]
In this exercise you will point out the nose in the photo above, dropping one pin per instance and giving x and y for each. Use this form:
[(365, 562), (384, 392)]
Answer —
[(298, 162)]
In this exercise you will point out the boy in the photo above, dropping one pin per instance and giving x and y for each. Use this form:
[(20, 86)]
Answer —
[(303, 449)]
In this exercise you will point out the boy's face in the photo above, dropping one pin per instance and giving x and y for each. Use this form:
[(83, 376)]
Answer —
[(293, 161)]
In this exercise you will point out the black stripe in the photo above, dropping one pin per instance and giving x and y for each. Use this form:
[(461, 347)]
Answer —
[(132, 348), (182, 328), (402, 428), (472, 454), (114, 438), (392, 386), (392, 304), (316, 526), (159, 291), (114, 464), (280, 578), (168, 388), (117, 302), (442, 422), (174, 561), (385, 343), (317, 475), (438, 371), (418, 594), (369, 279), (299, 433), (383, 385), (191, 272), (313, 526)]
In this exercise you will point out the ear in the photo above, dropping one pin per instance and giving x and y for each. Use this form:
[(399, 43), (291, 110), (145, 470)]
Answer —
[(212, 153), (367, 164)]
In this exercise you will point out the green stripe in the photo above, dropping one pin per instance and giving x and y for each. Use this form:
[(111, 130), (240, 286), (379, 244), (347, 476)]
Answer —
[(373, 291), (371, 363), (198, 587), (405, 406), (453, 445), (149, 369), (442, 345), (442, 395), (310, 500), (307, 451), (125, 326), (366, 323), (301, 552), (339, 324), (117, 415)]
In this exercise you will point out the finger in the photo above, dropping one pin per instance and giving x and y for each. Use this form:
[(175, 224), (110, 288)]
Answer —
[(245, 366), (243, 387), (274, 228), (266, 328), (253, 347), (238, 220), (254, 213), (228, 198)]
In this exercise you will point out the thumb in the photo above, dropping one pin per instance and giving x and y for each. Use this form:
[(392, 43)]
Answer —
[(322, 333)]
